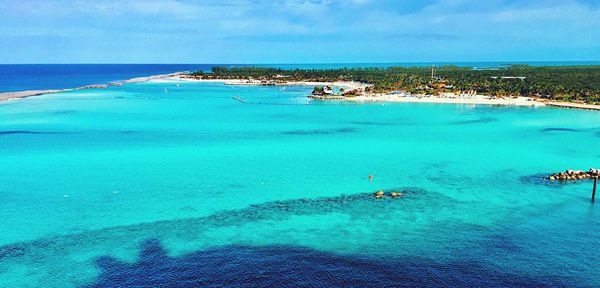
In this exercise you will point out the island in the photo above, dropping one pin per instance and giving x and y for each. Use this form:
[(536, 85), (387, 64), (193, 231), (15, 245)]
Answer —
[(523, 85)]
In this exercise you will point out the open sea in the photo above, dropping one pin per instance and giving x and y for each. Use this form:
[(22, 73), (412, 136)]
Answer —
[(176, 184)]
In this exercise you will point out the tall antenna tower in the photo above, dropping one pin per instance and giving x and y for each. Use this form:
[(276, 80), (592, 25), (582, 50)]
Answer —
[(432, 71)]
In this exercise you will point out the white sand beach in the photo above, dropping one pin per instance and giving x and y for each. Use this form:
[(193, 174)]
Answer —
[(474, 99), (255, 82)]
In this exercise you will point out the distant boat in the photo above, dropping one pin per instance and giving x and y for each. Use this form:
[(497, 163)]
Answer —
[(165, 90)]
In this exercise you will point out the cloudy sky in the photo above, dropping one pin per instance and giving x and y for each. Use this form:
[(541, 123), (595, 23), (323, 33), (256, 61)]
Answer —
[(297, 31)]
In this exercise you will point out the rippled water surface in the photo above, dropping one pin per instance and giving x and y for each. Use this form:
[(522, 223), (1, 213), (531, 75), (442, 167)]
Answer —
[(156, 184)]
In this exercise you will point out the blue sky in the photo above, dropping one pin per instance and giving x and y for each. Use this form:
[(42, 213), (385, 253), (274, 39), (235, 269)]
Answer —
[(302, 31)]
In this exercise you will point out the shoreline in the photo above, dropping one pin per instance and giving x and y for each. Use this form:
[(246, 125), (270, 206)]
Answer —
[(350, 85), (254, 82), (5, 96), (573, 105), (520, 101), (469, 100)]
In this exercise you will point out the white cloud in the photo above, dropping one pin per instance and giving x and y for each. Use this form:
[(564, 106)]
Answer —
[(493, 25)]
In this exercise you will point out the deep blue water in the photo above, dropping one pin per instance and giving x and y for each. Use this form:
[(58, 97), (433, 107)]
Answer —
[(247, 266), (20, 77), (484, 64)]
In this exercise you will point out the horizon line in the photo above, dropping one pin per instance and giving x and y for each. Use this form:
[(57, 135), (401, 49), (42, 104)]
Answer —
[(308, 63)]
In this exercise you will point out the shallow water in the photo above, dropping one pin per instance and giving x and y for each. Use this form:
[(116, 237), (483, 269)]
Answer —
[(134, 186)]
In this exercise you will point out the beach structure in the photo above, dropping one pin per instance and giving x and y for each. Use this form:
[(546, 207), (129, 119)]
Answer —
[(594, 189), (323, 90), (393, 194), (267, 83), (509, 77), (571, 175)]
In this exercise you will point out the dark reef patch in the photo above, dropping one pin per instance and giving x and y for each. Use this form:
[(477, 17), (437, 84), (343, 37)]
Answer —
[(474, 121), (13, 250), (64, 111), (27, 132), (358, 205), (321, 131), (502, 243), (294, 266), (127, 132), (535, 179), (560, 129), (371, 123), (542, 179), (188, 208), (269, 266), (235, 186)]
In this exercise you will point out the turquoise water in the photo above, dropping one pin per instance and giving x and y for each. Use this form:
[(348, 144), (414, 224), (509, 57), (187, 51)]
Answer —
[(96, 174)]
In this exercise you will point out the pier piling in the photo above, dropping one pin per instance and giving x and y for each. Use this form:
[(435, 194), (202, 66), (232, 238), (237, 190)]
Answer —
[(594, 189)]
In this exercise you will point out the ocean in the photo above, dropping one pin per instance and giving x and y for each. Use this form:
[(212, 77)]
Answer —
[(176, 184), (21, 77)]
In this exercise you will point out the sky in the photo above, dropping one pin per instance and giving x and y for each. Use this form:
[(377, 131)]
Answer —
[(298, 31)]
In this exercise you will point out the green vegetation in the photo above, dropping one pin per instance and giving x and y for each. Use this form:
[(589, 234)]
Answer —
[(565, 83), (318, 90)]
